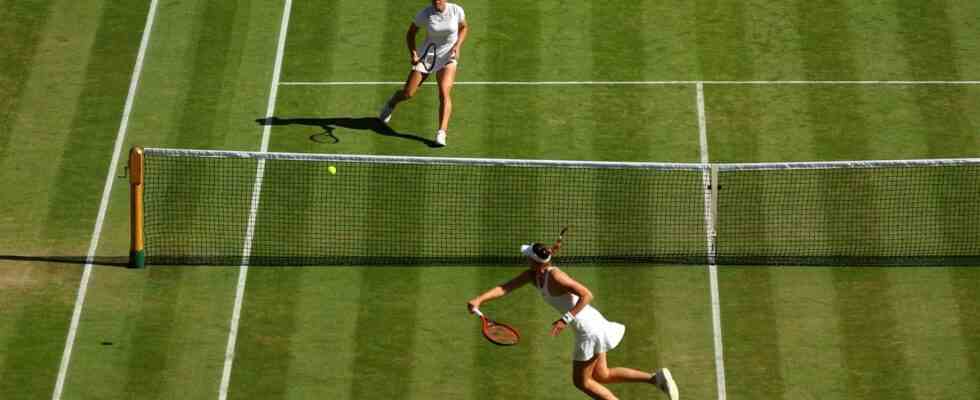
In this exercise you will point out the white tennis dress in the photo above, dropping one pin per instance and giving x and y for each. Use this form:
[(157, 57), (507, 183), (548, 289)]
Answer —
[(593, 333), (442, 29)]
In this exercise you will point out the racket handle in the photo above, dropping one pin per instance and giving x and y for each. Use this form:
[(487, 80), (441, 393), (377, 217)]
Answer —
[(477, 312)]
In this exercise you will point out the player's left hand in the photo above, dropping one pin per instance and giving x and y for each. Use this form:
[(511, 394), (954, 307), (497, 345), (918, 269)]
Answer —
[(557, 327), (454, 53)]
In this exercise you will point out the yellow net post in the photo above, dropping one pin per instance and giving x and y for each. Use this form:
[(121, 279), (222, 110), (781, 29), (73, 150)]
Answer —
[(137, 252)]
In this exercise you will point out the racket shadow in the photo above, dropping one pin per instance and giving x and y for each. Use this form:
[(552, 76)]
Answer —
[(370, 124)]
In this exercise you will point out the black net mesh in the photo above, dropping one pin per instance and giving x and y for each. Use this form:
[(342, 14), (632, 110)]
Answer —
[(430, 212), (198, 210), (911, 214)]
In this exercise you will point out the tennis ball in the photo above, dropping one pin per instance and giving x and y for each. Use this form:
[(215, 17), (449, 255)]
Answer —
[(332, 170)]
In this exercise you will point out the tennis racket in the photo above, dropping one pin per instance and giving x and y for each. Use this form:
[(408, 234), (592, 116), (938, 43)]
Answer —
[(428, 59), (496, 332), (557, 246)]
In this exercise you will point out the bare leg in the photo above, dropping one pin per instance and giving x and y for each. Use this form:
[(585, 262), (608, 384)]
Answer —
[(446, 78), (604, 374), (582, 376), (412, 84)]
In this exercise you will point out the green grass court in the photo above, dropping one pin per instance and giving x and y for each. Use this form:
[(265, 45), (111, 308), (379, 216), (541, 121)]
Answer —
[(829, 332)]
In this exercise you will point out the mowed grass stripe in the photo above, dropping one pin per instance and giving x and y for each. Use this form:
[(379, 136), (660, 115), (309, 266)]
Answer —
[(385, 340), (929, 333), (312, 48), (153, 334), (322, 363), (41, 129), (838, 128), (752, 353), (966, 285), (721, 32), (263, 359), (211, 58), (89, 142), (807, 315), (618, 39), (871, 343), (943, 110), (963, 28), (22, 32), (741, 121), (31, 339), (38, 297), (929, 51), (444, 335)]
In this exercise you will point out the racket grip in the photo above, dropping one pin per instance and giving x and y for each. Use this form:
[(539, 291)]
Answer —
[(477, 312)]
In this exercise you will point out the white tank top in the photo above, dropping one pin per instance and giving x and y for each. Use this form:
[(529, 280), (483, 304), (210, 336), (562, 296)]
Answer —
[(566, 301)]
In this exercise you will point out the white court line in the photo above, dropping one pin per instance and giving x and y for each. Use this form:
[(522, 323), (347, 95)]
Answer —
[(635, 83), (253, 210), (710, 231), (76, 315)]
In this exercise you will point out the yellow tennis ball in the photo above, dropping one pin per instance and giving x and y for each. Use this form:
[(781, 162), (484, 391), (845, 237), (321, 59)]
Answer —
[(332, 170)]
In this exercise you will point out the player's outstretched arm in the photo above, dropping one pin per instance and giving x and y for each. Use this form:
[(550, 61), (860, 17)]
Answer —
[(500, 290)]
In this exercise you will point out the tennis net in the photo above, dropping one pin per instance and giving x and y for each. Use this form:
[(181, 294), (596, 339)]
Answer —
[(226, 208)]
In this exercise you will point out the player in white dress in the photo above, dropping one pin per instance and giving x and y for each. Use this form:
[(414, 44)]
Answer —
[(446, 28), (594, 335)]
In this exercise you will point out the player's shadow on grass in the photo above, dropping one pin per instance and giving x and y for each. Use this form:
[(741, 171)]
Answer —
[(330, 124)]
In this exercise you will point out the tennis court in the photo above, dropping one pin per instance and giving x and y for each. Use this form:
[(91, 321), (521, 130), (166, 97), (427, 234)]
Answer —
[(544, 80)]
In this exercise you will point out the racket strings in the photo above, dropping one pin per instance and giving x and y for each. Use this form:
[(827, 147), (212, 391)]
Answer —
[(502, 334)]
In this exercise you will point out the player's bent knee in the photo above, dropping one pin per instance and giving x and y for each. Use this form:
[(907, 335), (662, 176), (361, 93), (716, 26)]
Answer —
[(602, 376)]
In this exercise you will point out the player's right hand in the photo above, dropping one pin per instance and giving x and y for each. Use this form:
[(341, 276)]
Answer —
[(472, 305), (415, 58)]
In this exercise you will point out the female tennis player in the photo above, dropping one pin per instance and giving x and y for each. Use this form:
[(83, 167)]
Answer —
[(445, 25), (594, 335)]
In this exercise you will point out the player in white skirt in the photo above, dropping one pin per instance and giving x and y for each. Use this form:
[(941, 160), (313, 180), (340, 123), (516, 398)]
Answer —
[(445, 25), (594, 335)]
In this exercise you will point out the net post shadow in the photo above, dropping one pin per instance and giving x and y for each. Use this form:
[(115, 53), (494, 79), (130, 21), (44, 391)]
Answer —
[(330, 124)]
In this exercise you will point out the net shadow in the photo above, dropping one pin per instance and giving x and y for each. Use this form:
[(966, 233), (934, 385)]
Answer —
[(108, 261)]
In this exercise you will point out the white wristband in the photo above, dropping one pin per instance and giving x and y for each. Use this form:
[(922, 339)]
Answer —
[(567, 317)]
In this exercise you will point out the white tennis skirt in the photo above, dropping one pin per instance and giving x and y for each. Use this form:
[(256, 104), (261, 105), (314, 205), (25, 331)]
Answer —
[(441, 62), (594, 335)]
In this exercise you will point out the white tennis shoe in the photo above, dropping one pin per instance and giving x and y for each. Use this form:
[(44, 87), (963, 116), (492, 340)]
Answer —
[(665, 382), (385, 114), (441, 138)]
